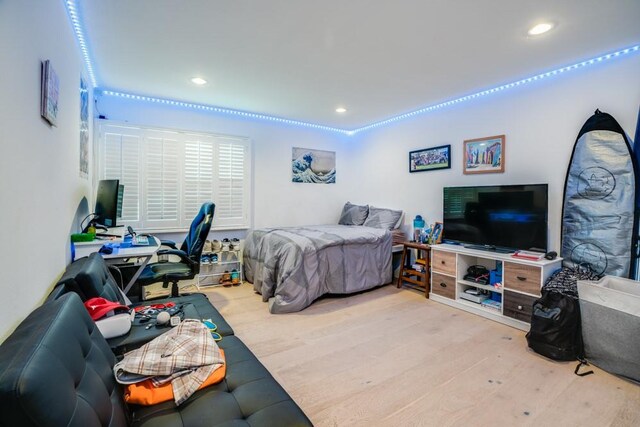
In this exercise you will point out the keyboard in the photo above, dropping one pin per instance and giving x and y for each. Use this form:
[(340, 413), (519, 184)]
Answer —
[(140, 241)]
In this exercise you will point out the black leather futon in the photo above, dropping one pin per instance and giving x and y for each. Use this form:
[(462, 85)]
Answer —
[(56, 367), (56, 370)]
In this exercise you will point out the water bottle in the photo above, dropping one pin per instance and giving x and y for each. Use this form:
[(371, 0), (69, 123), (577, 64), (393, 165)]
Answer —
[(418, 225)]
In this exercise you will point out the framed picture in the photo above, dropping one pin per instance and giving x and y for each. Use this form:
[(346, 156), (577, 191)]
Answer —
[(313, 166), (84, 129), (484, 155), (49, 89), (436, 234), (429, 159)]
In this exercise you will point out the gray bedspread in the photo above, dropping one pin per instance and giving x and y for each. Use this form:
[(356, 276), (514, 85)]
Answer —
[(291, 267)]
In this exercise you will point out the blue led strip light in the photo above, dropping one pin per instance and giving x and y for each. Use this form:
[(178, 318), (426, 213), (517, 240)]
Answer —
[(500, 88), (424, 110), (221, 110), (72, 10)]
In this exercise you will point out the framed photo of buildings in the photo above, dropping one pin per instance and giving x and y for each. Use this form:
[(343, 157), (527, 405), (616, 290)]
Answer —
[(484, 155)]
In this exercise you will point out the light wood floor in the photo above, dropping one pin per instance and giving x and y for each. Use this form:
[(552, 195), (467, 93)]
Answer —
[(390, 357)]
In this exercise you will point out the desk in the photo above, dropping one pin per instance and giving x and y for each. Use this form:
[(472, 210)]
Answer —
[(144, 253)]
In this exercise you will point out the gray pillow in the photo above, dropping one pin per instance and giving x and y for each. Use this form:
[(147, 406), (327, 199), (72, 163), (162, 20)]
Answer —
[(353, 214), (382, 218)]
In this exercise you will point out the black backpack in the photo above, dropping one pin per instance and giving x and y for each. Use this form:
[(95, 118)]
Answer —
[(556, 327)]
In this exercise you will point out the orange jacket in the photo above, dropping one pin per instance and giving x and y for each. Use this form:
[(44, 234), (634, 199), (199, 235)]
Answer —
[(144, 393)]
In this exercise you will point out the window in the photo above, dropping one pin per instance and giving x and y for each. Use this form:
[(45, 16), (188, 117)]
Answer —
[(167, 175)]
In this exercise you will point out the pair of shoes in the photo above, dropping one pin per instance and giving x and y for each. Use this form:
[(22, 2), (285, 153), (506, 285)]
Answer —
[(235, 277), (234, 245), (209, 259), (225, 280)]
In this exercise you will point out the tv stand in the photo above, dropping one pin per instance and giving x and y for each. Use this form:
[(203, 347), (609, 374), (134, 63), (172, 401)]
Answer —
[(490, 248), (521, 282)]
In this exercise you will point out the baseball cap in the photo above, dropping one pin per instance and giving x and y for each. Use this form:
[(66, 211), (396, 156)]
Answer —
[(100, 307)]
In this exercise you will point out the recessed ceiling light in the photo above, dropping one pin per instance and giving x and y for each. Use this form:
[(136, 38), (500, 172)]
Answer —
[(542, 28), (198, 81), (341, 110)]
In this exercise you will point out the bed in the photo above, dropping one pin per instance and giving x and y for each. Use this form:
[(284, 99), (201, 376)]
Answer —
[(291, 267)]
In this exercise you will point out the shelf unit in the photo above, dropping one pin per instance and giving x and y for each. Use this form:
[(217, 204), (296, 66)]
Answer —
[(521, 282), (411, 275), (211, 273)]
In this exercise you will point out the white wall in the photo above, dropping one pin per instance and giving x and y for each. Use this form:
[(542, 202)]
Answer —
[(541, 122), (277, 200), (40, 187), (41, 190)]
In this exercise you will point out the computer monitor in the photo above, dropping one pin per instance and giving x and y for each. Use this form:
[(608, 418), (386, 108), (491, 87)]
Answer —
[(109, 202)]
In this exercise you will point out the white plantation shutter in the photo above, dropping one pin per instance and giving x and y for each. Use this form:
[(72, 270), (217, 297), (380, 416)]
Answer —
[(230, 197), (169, 174), (198, 175), (121, 155), (162, 180)]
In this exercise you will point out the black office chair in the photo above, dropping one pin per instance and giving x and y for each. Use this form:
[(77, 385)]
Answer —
[(189, 253)]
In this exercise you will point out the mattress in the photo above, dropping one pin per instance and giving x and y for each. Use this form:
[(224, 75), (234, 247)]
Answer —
[(291, 267)]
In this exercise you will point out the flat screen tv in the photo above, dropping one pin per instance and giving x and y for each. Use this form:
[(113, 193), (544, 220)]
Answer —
[(502, 218)]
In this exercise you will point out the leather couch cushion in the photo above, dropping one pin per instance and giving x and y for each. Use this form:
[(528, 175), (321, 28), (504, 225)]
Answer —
[(89, 277), (248, 396), (56, 371), (196, 306)]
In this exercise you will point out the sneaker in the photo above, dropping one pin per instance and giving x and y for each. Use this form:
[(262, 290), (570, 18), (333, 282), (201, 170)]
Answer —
[(225, 280), (215, 246), (225, 244), (235, 277), (204, 259), (235, 244), (207, 246), (214, 259)]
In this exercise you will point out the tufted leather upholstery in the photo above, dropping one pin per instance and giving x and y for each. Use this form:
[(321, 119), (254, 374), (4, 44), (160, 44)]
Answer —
[(249, 396), (57, 371), (90, 277)]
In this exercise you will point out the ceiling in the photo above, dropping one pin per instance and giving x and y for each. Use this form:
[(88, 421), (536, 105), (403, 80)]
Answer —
[(300, 59)]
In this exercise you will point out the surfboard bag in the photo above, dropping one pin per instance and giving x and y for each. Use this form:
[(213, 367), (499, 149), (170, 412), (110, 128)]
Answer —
[(599, 227)]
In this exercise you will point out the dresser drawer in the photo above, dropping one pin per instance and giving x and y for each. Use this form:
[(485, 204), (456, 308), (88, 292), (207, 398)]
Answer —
[(443, 285), (518, 306), (521, 277), (444, 262)]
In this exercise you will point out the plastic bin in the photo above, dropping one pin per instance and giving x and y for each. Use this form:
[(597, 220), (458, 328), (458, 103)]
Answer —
[(610, 309)]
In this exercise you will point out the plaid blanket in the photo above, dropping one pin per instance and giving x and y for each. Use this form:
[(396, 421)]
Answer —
[(185, 355)]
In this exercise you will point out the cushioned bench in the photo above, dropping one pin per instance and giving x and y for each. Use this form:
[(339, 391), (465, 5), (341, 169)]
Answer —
[(57, 371), (90, 277)]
